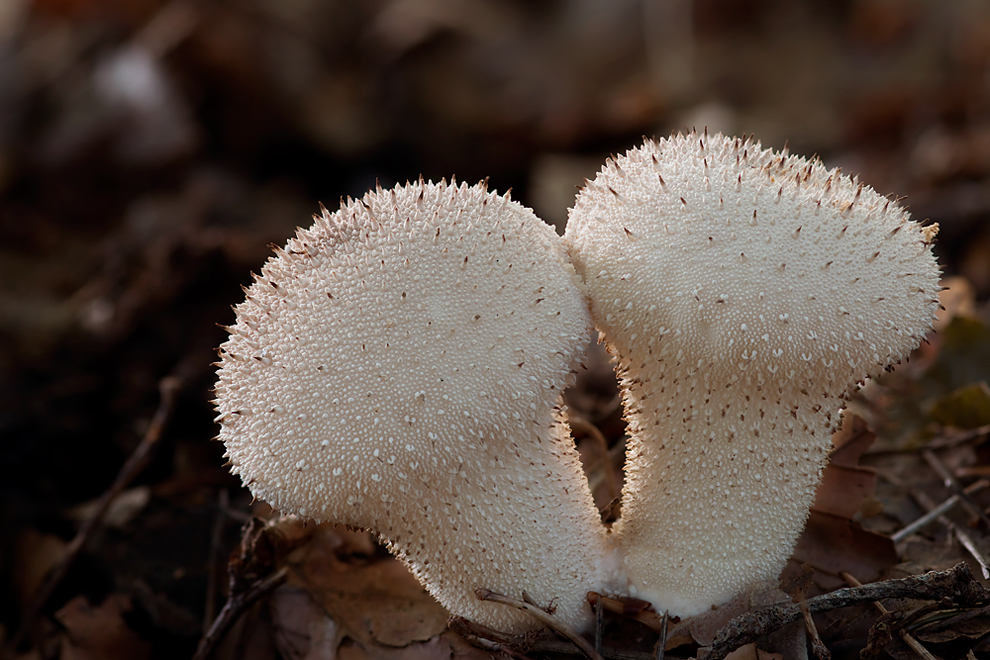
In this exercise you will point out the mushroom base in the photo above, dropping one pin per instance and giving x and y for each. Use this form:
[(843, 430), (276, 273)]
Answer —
[(717, 498)]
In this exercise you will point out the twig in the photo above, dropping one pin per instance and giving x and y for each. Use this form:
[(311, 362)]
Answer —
[(817, 645), (951, 483), (169, 27), (660, 652), (960, 535), (253, 571), (878, 637), (233, 610), (956, 583), (905, 635), (489, 638), (563, 648), (966, 472), (168, 387), (599, 609), (952, 439), (493, 640), (544, 618), (216, 557), (934, 513)]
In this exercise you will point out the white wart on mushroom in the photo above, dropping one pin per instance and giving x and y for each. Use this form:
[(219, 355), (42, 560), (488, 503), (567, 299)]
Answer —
[(399, 367), (744, 293)]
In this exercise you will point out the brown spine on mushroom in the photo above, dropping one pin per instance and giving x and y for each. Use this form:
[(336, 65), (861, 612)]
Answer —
[(399, 367), (743, 293)]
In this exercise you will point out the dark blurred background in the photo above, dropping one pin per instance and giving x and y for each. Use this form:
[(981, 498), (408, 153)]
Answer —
[(151, 150)]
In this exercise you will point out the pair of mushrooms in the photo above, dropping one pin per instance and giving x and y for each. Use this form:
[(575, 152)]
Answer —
[(399, 367)]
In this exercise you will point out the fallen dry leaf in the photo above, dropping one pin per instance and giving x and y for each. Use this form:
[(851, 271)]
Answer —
[(750, 652), (35, 554), (851, 441), (848, 488), (461, 649), (376, 603), (435, 648), (846, 491), (703, 627), (958, 297), (100, 632), (302, 628), (831, 544)]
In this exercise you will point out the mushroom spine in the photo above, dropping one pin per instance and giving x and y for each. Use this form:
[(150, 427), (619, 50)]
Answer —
[(399, 367), (743, 293)]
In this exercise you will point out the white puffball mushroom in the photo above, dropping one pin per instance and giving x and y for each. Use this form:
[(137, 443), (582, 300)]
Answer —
[(399, 367), (744, 293)]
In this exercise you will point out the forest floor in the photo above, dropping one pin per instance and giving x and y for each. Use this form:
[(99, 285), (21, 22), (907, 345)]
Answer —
[(151, 152)]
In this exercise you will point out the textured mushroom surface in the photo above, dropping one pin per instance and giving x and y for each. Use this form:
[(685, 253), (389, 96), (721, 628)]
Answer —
[(744, 293), (399, 367)]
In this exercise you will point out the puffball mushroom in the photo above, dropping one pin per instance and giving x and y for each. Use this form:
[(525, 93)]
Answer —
[(398, 367), (743, 293)]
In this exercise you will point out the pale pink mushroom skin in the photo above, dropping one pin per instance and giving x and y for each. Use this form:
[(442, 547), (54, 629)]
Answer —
[(744, 293), (399, 367)]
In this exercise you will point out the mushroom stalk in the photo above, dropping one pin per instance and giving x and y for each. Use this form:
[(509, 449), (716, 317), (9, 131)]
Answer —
[(399, 367), (743, 293)]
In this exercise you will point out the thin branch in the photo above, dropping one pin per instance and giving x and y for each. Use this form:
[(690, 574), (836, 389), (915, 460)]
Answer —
[(216, 559), (957, 584), (951, 483), (954, 437), (233, 610), (918, 523), (914, 644), (660, 652), (493, 640), (936, 512), (546, 619), (961, 536), (168, 387), (599, 624), (817, 645)]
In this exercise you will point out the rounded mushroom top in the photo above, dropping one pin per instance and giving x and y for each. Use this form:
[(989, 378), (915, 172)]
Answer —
[(399, 367), (388, 339), (768, 266)]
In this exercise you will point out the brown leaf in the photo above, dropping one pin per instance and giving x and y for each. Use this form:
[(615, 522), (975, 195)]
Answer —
[(851, 441), (375, 603), (303, 628), (831, 544), (35, 554), (750, 652), (99, 633), (847, 488), (846, 491), (461, 649), (958, 297), (703, 627), (435, 648), (973, 624)]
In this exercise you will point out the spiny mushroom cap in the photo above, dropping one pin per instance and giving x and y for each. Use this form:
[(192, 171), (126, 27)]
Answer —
[(743, 292), (399, 367)]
